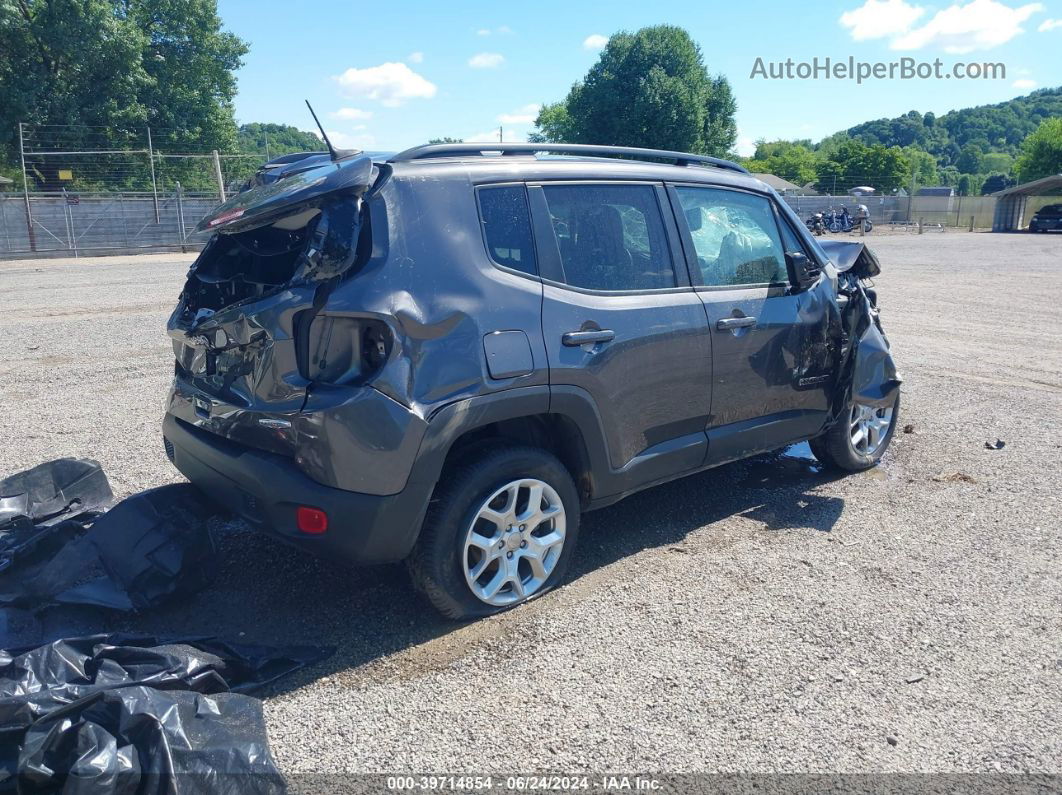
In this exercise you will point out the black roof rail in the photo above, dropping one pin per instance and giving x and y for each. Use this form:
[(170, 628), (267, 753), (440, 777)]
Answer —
[(633, 152)]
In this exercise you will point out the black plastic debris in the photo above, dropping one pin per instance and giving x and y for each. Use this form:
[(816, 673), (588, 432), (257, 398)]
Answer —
[(148, 549), (126, 713), (998, 444), (137, 740), (34, 501)]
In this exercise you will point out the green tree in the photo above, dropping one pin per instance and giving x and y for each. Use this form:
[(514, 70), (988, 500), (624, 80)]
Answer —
[(923, 164), (1041, 152), (119, 64), (970, 160), (272, 140), (997, 162), (648, 88), (854, 164), (791, 160), (445, 140), (996, 182)]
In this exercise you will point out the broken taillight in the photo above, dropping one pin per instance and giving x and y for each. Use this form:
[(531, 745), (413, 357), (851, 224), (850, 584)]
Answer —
[(343, 350)]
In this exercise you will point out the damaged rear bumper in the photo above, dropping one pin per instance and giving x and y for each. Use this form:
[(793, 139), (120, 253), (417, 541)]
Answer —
[(266, 489)]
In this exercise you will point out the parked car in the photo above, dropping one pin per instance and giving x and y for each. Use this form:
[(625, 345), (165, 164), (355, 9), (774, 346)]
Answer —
[(447, 355), (1047, 218)]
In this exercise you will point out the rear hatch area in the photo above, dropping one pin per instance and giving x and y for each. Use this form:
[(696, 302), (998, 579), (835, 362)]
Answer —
[(243, 331)]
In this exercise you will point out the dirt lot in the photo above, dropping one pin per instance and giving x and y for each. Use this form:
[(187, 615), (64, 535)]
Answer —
[(757, 617)]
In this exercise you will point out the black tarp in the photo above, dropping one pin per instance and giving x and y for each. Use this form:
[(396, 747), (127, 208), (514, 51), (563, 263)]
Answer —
[(149, 548), (38, 499), (136, 714)]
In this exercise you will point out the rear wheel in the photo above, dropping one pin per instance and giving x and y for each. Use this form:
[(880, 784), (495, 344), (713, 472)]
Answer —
[(500, 530), (859, 440)]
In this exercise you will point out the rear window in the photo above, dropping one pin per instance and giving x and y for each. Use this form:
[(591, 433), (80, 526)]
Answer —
[(610, 237), (507, 227)]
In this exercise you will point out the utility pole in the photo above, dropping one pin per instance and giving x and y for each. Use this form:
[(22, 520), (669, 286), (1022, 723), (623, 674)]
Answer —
[(154, 187), (501, 134), (910, 197), (218, 176), (25, 190)]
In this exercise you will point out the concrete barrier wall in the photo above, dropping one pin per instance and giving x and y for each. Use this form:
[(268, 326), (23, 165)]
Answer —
[(954, 211)]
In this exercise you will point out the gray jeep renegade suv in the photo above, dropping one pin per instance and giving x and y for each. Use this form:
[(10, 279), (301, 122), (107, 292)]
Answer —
[(446, 355)]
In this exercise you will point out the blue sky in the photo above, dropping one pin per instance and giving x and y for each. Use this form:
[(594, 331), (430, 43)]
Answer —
[(388, 76)]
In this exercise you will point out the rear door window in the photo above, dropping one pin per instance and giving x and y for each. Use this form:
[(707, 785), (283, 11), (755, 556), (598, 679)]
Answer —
[(610, 237), (507, 227)]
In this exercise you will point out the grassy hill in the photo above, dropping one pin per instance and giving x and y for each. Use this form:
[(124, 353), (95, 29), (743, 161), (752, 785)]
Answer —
[(998, 128)]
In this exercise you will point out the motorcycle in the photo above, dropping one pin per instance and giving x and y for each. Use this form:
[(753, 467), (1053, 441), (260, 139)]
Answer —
[(816, 224), (863, 214), (839, 221)]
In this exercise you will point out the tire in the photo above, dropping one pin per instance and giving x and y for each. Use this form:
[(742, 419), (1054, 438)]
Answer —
[(836, 449), (445, 556)]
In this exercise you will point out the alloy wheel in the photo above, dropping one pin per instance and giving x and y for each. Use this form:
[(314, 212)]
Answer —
[(869, 426), (514, 542)]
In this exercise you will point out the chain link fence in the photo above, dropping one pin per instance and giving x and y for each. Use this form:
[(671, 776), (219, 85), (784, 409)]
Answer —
[(95, 189), (92, 189)]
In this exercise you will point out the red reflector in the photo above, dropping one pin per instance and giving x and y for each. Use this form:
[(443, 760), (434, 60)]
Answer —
[(311, 520)]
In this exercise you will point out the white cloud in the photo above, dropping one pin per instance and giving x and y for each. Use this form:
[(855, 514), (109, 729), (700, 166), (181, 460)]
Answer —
[(483, 32), (1049, 24), (525, 115), (501, 30), (978, 25), (595, 41), (486, 60), (959, 28), (511, 136), (342, 140), (390, 83), (1024, 83), (745, 145), (352, 114), (876, 19), (415, 57)]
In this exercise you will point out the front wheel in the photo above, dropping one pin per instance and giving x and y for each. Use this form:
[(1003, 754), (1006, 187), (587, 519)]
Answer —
[(858, 440), (500, 530)]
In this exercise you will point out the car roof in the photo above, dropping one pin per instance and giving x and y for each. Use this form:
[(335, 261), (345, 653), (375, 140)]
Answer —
[(528, 168)]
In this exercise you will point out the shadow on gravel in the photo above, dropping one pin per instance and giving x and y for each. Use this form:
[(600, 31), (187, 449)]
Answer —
[(269, 593)]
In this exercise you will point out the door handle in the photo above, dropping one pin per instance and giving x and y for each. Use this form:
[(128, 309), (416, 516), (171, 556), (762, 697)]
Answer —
[(573, 339), (730, 323)]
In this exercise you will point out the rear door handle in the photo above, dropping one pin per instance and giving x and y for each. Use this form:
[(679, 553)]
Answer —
[(574, 339), (729, 323)]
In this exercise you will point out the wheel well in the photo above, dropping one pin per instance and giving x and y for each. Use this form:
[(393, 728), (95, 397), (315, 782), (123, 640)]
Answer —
[(556, 433)]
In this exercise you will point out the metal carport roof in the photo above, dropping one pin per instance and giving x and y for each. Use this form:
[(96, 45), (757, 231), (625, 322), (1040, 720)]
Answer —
[(1010, 202)]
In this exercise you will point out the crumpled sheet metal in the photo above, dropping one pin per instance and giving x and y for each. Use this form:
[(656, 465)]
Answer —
[(151, 547), (874, 376), (128, 713)]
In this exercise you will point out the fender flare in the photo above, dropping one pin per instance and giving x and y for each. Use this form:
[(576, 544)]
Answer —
[(453, 421)]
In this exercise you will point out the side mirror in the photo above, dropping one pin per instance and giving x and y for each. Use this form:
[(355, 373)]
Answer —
[(803, 270)]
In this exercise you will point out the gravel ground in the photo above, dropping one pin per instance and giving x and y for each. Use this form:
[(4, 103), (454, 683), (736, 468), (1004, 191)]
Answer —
[(759, 617)]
